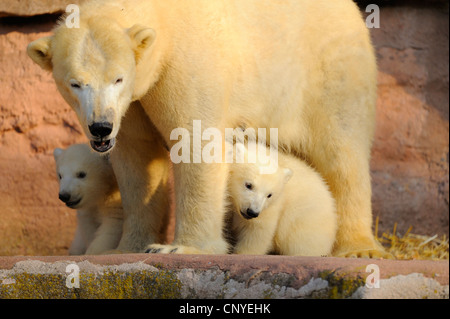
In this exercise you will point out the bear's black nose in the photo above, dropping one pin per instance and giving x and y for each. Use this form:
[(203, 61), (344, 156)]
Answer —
[(251, 213), (64, 197), (101, 129)]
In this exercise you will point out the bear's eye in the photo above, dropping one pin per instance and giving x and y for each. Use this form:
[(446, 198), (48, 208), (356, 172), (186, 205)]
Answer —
[(81, 175), (119, 80), (249, 186), (59, 176), (75, 85), (270, 195)]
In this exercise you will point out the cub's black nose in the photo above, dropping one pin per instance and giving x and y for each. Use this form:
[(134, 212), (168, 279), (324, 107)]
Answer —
[(101, 129), (64, 197), (251, 213)]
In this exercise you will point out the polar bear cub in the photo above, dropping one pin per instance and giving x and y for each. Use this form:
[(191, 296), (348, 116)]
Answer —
[(87, 183), (288, 212)]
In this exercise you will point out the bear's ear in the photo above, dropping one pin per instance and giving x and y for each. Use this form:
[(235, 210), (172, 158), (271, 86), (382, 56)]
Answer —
[(57, 152), (39, 52), (142, 38), (287, 174)]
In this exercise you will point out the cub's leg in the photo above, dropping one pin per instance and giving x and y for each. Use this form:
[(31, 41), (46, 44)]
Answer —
[(87, 225), (107, 236), (255, 236), (306, 231), (78, 245)]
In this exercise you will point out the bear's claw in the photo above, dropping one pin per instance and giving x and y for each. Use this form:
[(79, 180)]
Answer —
[(153, 250), (368, 253), (171, 249)]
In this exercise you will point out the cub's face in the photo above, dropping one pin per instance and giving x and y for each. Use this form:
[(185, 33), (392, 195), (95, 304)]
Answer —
[(83, 176), (94, 67), (252, 192)]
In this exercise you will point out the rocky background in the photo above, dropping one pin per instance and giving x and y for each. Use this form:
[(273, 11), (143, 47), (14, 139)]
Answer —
[(410, 165)]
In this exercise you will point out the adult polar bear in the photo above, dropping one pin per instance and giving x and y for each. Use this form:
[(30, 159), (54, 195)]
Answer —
[(304, 67)]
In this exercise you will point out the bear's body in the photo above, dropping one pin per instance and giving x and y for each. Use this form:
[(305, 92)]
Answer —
[(87, 184), (288, 212), (304, 67)]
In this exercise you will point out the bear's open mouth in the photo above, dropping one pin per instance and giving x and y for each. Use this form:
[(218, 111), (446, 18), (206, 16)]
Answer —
[(73, 203), (103, 145)]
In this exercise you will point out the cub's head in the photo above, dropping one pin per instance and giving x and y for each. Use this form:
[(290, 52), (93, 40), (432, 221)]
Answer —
[(252, 192), (84, 176), (95, 67)]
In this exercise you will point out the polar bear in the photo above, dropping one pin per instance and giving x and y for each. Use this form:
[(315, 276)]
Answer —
[(289, 212), (304, 67), (87, 184)]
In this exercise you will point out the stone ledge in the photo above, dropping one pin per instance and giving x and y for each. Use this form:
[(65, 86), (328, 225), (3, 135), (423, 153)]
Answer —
[(220, 276)]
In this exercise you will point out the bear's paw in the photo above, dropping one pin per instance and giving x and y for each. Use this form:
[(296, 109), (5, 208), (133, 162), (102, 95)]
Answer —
[(367, 253), (172, 249)]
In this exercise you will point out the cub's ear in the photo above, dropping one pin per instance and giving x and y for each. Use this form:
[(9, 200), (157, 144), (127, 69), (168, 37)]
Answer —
[(57, 152), (142, 38), (39, 51), (287, 174)]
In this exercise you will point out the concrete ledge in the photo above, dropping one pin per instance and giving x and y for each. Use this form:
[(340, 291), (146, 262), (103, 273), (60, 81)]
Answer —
[(219, 276)]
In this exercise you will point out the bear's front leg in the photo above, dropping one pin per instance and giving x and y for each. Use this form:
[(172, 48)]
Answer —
[(349, 181), (141, 165), (200, 210)]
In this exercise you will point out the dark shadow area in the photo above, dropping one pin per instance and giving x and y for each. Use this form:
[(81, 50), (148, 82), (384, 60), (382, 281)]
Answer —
[(39, 23)]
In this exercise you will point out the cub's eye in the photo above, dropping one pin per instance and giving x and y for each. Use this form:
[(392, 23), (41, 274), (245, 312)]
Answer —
[(249, 186), (59, 176), (75, 85), (270, 195), (81, 175), (119, 80)]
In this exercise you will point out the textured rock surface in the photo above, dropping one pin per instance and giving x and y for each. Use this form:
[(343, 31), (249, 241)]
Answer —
[(34, 119), (219, 277), (410, 155)]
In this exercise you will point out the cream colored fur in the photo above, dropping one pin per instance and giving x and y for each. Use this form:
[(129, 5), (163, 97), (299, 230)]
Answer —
[(99, 211), (296, 211), (304, 67)]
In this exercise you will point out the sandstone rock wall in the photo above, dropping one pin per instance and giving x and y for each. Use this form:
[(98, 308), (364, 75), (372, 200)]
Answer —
[(410, 155), (34, 119)]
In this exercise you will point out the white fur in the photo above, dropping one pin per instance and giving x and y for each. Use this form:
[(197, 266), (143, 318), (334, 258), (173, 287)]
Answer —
[(299, 217), (99, 212), (306, 67)]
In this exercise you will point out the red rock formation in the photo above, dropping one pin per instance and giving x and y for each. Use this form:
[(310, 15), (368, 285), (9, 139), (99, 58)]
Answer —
[(410, 154), (34, 119)]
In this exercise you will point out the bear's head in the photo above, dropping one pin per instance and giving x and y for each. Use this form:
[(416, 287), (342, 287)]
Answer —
[(85, 177), (95, 69), (250, 189)]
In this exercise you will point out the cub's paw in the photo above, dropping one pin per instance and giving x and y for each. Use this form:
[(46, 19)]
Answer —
[(172, 249), (367, 253)]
